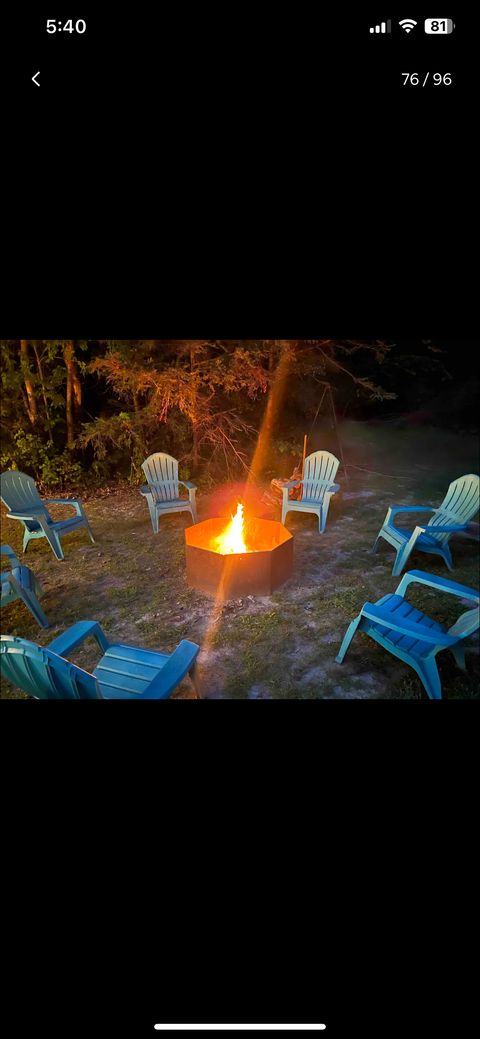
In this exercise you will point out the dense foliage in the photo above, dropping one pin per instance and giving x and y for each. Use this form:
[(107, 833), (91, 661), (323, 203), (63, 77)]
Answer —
[(75, 411)]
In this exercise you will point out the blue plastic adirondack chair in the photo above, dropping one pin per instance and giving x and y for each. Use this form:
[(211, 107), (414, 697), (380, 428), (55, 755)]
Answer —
[(19, 493), (410, 634), (460, 504), (124, 672), (20, 583), (318, 487), (162, 490)]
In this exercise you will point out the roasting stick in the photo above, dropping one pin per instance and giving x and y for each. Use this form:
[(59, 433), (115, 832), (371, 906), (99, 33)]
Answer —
[(305, 442)]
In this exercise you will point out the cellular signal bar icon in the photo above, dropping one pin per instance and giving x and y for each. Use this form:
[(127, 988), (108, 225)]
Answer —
[(383, 27)]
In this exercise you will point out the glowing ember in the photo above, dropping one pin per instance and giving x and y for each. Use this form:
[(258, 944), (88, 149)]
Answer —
[(232, 540)]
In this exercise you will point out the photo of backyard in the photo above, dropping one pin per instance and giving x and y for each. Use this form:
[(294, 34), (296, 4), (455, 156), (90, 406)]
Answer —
[(239, 519)]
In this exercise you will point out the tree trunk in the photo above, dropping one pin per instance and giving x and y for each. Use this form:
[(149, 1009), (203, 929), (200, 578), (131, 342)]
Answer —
[(68, 356), (44, 392), (77, 388), (31, 401)]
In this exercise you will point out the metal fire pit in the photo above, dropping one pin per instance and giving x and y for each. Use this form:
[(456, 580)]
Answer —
[(257, 572)]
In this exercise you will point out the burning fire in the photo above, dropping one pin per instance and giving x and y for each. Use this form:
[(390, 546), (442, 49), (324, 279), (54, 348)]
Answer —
[(232, 540)]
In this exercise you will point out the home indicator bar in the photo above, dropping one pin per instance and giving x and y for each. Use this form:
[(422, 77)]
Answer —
[(240, 1028)]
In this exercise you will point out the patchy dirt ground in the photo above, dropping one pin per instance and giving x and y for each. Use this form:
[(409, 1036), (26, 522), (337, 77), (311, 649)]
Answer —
[(280, 646)]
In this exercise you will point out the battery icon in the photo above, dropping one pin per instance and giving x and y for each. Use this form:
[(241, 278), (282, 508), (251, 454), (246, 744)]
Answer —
[(438, 26)]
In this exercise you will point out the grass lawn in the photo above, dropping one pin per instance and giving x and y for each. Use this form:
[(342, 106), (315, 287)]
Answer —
[(280, 646)]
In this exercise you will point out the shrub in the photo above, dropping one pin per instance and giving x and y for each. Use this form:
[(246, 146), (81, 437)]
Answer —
[(51, 470)]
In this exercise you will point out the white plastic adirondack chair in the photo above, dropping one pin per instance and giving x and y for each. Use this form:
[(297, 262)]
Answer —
[(19, 493), (460, 504), (162, 490), (317, 487)]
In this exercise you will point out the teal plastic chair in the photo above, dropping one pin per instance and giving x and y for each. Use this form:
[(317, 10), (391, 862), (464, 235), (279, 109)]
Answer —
[(412, 636), (318, 487), (162, 490), (19, 493), (20, 583), (460, 504), (124, 672)]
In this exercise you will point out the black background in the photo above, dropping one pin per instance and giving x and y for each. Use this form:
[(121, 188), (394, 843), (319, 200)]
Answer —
[(201, 863), (245, 176)]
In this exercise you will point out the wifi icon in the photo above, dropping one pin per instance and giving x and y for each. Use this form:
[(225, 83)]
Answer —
[(407, 24)]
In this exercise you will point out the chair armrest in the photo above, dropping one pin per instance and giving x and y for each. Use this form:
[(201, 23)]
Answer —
[(442, 530), (417, 631), (7, 551), (188, 485), (334, 487), (66, 501), (410, 508), (442, 583), (62, 501), (32, 515), (291, 483), (172, 673), (158, 487), (76, 634)]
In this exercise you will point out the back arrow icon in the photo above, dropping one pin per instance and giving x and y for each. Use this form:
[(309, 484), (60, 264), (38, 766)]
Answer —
[(34, 79)]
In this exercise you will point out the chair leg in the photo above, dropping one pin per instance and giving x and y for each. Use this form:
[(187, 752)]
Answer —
[(324, 511), (403, 554), (55, 544), (375, 543), (34, 606), (347, 638), (447, 555), (26, 541), (192, 501), (427, 671), (86, 523), (458, 653), (153, 517), (89, 531)]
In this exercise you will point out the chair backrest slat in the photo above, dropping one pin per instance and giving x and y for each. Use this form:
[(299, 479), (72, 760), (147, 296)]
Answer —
[(19, 492), (44, 674), (466, 624), (462, 497), (460, 504), (320, 467), (162, 471)]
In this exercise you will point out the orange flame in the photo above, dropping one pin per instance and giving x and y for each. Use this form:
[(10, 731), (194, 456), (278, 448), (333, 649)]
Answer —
[(232, 540)]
